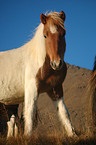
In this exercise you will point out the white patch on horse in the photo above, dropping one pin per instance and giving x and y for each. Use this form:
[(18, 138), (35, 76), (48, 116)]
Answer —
[(53, 29), (11, 124), (64, 117), (12, 127)]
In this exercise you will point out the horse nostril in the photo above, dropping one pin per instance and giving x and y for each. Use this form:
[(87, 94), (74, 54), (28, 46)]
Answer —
[(51, 63), (60, 64), (56, 65)]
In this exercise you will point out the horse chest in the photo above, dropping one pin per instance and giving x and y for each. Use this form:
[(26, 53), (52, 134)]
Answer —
[(45, 84), (49, 78)]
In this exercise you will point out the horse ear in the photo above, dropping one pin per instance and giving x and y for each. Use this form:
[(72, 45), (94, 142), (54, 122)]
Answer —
[(62, 15), (43, 18)]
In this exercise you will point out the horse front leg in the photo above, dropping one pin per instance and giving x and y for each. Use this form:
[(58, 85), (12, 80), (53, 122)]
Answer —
[(30, 106), (57, 96), (64, 116)]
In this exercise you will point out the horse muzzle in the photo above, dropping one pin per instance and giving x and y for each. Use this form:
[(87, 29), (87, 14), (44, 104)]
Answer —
[(56, 65)]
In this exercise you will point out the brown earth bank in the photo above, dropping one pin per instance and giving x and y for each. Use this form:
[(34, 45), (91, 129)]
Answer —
[(77, 98)]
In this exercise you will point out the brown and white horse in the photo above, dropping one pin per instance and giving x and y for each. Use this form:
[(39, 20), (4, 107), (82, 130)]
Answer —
[(37, 67)]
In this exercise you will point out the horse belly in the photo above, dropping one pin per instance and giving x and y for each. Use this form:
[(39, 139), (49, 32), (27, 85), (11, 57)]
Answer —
[(12, 70), (11, 97), (11, 91)]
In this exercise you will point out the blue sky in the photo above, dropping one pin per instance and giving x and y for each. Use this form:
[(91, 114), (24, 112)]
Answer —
[(19, 18)]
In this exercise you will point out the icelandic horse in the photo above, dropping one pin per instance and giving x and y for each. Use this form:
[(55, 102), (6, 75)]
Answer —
[(37, 67)]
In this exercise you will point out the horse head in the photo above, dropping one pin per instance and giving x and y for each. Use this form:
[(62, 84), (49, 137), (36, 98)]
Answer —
[(54, 34)]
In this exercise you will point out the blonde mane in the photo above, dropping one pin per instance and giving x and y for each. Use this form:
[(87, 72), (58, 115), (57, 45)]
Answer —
[(36, 46)]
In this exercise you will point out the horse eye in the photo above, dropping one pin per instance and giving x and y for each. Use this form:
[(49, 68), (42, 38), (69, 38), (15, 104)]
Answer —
[(45, 36)]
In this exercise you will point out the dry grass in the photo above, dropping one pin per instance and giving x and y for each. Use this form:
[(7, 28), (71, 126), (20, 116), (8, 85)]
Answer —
[(49, 140)]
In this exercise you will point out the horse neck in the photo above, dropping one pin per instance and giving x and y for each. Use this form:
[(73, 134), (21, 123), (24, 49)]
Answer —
[(36, 47), (45, 70)]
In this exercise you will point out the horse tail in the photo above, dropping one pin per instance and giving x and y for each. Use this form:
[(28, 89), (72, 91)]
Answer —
[(93, 92)]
